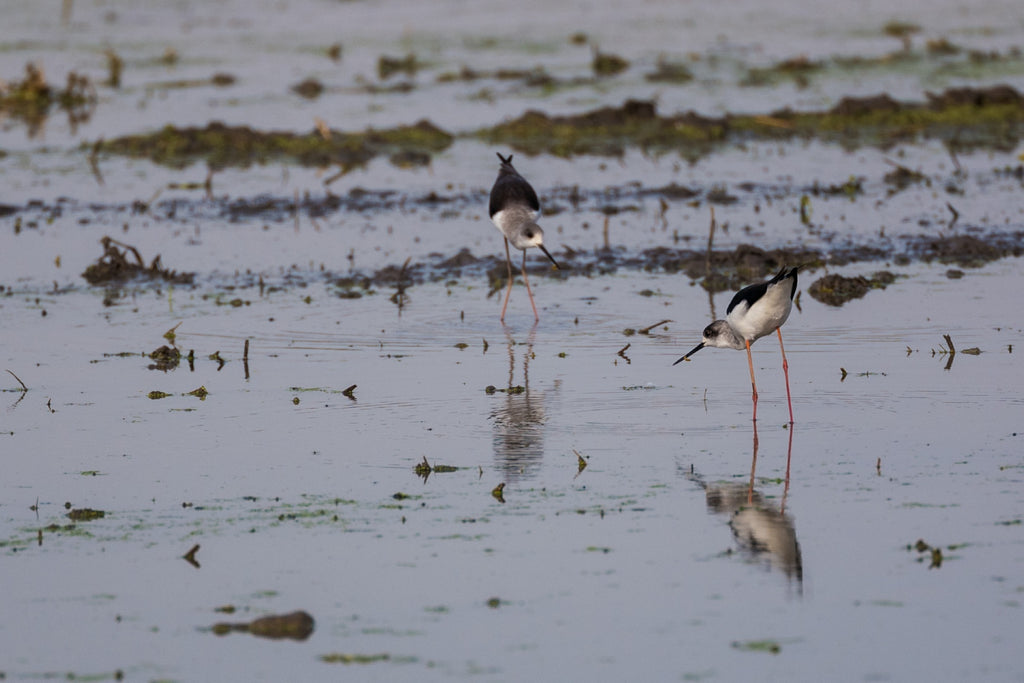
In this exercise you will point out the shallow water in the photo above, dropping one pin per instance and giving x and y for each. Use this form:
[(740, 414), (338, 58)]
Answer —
[(621, 570), (659, 560)]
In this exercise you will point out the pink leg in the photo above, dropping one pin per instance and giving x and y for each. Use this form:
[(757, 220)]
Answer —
[(753, 384), (508, 292), (753, 469), (536, 317), (785, 370)]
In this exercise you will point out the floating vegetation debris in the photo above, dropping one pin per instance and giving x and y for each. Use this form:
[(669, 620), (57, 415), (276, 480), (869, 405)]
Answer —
[(344, 658), (902, 30), (966, 117), (190, 556), (425, 469), (309, 88), (293, 626), (647, 330), (201, 393), (925, 551), (798, 69), (114, 266), (222, 146), (581, 463), (769, 646), (389, 66), (902, 177), (950, 351), (115, 65), (31, 99), (967, 251), (991, 116), (535, 77), (836, 290), (498, 492), (165, 358), (607, 64), (669, 72), (517, 389), (85, 514)]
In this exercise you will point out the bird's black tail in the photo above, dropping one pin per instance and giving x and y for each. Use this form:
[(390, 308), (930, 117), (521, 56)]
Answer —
[(784, 275), (506, 165)]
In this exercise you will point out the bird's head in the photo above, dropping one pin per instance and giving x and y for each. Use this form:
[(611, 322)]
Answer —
[(532, 235)]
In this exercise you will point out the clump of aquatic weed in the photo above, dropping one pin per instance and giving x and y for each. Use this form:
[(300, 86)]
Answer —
[(32, 98), (836, 290), (223, 146), (116, 266), (798, 68), (967, 251), (354, 658), (971, 117), (296, 625), (85, 514), (932, 553), (310, 88), (669, 72), (389, 66), (607, 64)]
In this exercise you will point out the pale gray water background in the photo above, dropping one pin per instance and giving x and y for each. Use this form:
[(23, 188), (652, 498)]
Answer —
[(622, 572)]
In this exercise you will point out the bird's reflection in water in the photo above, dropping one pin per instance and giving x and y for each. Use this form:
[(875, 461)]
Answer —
[(519, 418), (762, 530)]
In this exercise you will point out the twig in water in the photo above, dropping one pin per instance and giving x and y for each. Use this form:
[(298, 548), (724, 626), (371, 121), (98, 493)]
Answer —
[(23, 387), (956, 215), (399, 296), (956, 162), (647, 330), (190, 556), (581, 464), (245, 358), (94, 157)]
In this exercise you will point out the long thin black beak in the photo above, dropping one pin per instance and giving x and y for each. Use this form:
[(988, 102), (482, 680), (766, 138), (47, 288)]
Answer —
[(697, 348), (550, 257)]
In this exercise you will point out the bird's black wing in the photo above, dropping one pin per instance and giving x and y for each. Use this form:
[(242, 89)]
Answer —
[(752, 293), (511, 188)]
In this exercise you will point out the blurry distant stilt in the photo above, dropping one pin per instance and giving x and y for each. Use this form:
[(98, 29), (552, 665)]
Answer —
[(755, 311), (514, 210)]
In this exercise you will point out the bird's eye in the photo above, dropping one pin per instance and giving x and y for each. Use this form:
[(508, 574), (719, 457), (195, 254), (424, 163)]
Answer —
[(709, 332), (529, 234)]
